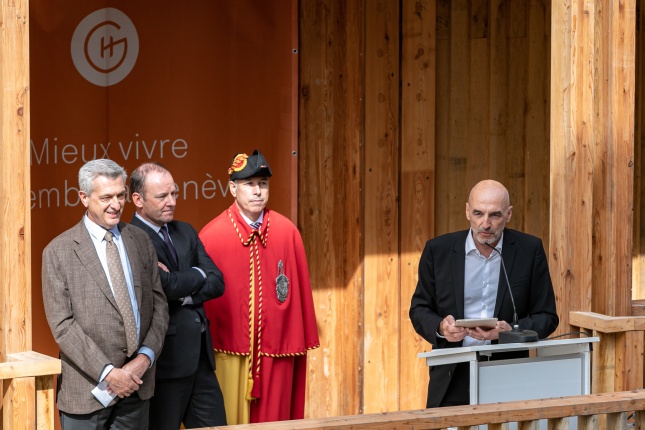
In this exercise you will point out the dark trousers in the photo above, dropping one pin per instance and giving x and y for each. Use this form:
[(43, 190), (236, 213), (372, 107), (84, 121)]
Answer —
[(129, 413), (195, 400), (458, 392)]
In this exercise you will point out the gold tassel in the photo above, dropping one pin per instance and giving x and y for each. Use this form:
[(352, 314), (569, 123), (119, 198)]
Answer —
[(249, 388)]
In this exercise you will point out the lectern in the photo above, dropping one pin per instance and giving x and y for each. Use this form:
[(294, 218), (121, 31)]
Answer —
[(557, 368)]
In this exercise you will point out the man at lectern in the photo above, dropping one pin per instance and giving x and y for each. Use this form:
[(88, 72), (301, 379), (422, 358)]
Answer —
[(461, 277)]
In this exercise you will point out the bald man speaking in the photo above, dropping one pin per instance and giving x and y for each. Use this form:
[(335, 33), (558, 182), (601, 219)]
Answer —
[(461, 277)]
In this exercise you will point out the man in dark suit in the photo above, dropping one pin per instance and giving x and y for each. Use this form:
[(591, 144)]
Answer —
[(105, 307), (187, 390), (460, 278)]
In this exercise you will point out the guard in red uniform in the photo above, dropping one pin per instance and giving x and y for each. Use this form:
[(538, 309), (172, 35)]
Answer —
[(264, 324)]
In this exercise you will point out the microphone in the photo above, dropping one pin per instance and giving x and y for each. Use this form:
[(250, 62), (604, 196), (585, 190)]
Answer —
[(516, 335)]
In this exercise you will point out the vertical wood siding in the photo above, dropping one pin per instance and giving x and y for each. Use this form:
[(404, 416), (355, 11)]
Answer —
[(331, 214), (404, 106)]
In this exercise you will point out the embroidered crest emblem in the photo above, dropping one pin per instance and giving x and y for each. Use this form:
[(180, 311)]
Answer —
[(239, 163), (281, 283)]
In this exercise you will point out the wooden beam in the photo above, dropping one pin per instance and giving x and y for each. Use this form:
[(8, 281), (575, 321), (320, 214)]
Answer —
[(27, 364), (614, 44), (15, 255), (45, 398), (605, 323), (592, 143), (524, 411), (571, 164), (15, 237)]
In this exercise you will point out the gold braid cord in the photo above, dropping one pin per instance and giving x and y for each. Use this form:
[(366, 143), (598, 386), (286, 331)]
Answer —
[(252, 243), (290, 354)]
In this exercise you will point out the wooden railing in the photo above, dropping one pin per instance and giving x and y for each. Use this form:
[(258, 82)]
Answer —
[(31, 364), (614, 410), (617, 360)]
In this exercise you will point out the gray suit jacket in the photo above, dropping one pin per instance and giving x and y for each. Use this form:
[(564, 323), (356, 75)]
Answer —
[(84, 317)]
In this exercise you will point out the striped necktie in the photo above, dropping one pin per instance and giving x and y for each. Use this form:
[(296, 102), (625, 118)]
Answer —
[(256, 225)]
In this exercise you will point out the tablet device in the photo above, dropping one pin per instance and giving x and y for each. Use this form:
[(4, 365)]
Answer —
[(477, 322)]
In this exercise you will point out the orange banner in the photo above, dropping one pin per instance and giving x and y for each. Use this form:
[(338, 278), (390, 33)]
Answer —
[(188, 84)]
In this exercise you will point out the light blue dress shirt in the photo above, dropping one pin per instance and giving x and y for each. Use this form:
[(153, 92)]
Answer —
[(481, 279)]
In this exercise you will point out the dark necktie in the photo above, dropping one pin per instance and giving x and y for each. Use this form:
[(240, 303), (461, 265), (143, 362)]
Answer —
[(166, 239), (121, 294), (256, 225)]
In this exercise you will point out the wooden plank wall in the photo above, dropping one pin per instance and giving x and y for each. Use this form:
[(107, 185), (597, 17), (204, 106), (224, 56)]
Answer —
[(331, 215), (492, 108), (404, 106), (381, 298), (417, 200)]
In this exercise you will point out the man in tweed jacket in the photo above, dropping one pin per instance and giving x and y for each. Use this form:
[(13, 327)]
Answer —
[(85, 319)]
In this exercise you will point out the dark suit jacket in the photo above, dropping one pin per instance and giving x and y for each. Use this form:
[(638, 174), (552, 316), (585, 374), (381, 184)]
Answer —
[(440, 292), (85, 319), (182, 346)]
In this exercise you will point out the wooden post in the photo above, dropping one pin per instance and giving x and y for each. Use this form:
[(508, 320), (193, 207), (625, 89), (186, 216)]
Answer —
[(592, 155), (18, 411)]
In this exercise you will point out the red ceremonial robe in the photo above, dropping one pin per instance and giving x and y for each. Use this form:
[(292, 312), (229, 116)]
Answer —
[(250, 260)]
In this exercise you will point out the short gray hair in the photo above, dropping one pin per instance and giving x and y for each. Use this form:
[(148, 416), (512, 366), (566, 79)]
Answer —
[(95, 168)]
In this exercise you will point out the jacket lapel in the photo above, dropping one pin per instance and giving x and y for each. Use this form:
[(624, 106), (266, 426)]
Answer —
[(86, 253), (159, 244), (508, 256), (458, 258)]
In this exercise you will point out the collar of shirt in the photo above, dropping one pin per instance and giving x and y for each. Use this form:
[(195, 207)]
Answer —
[(98, 233), (248, 221), (155, 227), (470, 244)]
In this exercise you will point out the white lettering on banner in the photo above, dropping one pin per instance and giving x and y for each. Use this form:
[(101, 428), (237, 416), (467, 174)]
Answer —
[(54, 153), (67, 194), (178, 148), (68, 154)]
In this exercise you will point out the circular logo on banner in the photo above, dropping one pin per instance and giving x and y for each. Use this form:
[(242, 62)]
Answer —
[(105, 47)]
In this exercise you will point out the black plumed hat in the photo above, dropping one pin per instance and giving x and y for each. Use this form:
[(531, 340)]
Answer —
[(244, 166)]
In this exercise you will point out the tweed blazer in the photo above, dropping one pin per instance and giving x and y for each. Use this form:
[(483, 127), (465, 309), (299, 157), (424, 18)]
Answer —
[(84, 317)]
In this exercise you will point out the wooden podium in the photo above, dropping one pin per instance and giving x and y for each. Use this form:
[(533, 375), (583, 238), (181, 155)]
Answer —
[(557, 368)]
